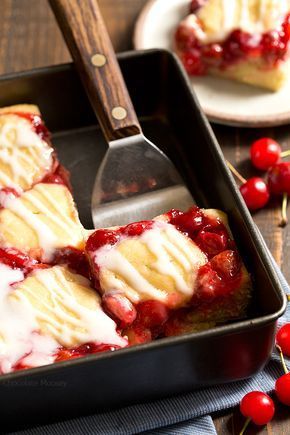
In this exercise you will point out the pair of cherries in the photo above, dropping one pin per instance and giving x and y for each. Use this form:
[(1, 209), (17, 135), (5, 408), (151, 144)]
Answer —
[(257, 406), (266, 155)]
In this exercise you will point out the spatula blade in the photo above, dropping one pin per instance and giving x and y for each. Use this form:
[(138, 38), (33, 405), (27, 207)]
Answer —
[(136, 181)]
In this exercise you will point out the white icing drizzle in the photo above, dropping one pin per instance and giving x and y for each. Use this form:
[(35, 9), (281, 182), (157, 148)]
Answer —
[(17, 322), (244, 14), (229, 10), (173, 246), (19, 319), (46, 237), (169, 247), (20, 144), (69, 321), (42, 202), (236, 14), (118, 264)]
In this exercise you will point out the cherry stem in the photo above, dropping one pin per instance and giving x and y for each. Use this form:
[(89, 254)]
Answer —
[(285, 153), (282, 358), (236, 173), (284, 219), (288, 297), (245, 426)]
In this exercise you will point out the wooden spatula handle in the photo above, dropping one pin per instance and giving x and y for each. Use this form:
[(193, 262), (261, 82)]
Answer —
[(87, 38)]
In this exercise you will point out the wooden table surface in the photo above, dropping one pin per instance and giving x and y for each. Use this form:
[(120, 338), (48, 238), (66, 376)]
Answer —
[(29, 38)]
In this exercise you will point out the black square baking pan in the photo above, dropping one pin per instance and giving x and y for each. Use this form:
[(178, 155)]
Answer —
[(171, 117)]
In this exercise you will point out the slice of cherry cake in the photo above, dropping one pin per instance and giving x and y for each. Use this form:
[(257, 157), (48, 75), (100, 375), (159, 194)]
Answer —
[(243, 40), (50, 315), (49, 310), (180, 272)]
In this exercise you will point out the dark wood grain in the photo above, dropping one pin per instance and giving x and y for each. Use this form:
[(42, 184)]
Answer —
[(29, 37), (87, 38)]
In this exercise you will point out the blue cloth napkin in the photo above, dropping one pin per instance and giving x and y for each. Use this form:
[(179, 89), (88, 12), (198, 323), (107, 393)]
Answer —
[(183, 415)]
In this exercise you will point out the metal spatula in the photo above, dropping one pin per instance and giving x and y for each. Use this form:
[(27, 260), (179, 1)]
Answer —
[(136, 180)]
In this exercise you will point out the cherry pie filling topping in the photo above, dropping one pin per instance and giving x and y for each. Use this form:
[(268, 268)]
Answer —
[(216, 279), (218, 272), (197, 56)]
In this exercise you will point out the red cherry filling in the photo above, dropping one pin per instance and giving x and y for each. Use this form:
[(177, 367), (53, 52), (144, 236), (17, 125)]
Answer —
[(189, 222), (191, 60), (137, 228), (152, 314), (110, 237), (101, 238), (137, 334), (208, 233), (120, 308), (272, 46), (83, 350), (59, 176), (227, 264), (17, 259), (185, 37), (209, 284), (219, 277), (212, 243), (74, 259)]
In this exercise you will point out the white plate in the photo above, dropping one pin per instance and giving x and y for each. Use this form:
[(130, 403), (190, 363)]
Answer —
[(224, 101)]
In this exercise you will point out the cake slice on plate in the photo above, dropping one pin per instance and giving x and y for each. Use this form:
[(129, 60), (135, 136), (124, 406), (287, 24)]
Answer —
[(181, 264), (247, 41)]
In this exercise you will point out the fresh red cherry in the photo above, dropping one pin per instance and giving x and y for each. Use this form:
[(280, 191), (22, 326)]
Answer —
[(257, 407), (282, 389), (255, 193), (279, 178), (283, 339), (265, 152)]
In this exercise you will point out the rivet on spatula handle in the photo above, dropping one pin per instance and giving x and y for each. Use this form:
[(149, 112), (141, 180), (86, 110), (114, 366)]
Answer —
[(86, 36)]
